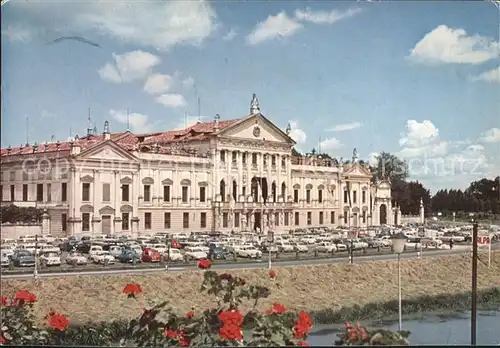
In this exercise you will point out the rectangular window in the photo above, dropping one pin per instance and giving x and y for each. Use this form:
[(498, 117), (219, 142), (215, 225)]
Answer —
[(147, 193), (125, 222), (345, 217), (223, 156), (86, 192), (85, 222), (321, 218), (12, 193), (254, 158), (364, 215), (309, 218), (39, 192), (276, 219), (287, 219), (166, 193), (265, 160), (244, 158), (297, 218), (49, 193), (64, 222), (203, 194), (25, 192), (224, 220), (147, 221), (244, 192), (283, 162), (234, 156), (354, 197), (237, 220), (185, 220), (320, 196), (363, 197), (166, 221), (273, 160), (203, 220), (184, 194), (308, 196), (332, 217), (296, 196), (346, 197), (106, 192), (125, 193), (64, 192)]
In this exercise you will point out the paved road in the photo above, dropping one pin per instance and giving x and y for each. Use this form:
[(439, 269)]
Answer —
[(257, 264)]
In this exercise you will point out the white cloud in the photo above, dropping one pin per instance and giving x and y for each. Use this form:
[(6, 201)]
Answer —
[(278, 26), (297, 133), (330, 144), (231, 34), (492, 75), (491, 136), (373, 158), (158, 83), (419, 134), (130, 66), (345, 127), (138, 122), (323, 17), (188, 82), (173, 100), (448, 45), (158, 24)]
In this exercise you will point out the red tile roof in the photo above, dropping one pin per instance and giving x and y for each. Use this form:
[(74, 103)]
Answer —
[(127, 140)]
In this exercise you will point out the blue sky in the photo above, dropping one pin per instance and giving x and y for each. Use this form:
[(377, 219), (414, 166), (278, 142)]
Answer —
[(417, 79)]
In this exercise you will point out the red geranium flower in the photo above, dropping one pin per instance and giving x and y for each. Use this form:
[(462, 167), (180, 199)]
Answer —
[(184, 342), (272, 273), (24, 296), (231, 332), (231, 317), (171, 334), (2, 339), (132, 289), (189, 315), (277, 308), (204, 264), (58, 321), (303, 344), (303, 325), (4, 301)]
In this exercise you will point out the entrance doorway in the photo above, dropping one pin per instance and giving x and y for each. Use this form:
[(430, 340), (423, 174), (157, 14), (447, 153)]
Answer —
[(257, 221), (383, 214), (106, 224)]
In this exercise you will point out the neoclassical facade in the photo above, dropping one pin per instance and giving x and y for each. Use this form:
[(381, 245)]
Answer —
[(223, 175)]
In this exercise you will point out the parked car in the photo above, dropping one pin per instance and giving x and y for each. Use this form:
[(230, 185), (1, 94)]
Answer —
[(115, 250), (340, 245), (301, 248), (284, 246), (50, 259), (76, 258), (249, 251), (150, 255), (4, 260), (102, 257), (195, 253), (23, 258), (218, 253), (326, 247), (129, 256), (173, 255)]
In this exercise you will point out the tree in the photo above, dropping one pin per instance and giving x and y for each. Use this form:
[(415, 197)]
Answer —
[(389, 167)]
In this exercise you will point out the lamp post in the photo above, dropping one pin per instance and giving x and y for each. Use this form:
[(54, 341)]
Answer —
[(398, 246), (270, 241), (473, 315), (35, 271)]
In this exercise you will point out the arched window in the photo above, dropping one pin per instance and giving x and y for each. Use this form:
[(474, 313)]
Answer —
[(235, 190), (273, 190), (283, 191), (223, 190)]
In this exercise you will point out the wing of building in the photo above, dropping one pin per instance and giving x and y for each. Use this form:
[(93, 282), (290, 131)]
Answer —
[(224, 175)]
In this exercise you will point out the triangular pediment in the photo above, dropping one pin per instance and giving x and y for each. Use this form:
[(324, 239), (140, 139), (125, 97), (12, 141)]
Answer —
[(107, 151), (357, 170), (256, 127)]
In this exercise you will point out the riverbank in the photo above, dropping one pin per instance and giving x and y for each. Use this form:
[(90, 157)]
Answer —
[(329, 292)]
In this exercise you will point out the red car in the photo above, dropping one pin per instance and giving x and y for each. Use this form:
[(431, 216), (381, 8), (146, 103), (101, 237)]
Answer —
[(150, 255)]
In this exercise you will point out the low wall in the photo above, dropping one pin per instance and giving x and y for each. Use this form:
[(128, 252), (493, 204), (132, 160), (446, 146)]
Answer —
[(311, 288), (13, 231)]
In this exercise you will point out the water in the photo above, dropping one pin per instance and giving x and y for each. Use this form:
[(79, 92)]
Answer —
[(428, 328)]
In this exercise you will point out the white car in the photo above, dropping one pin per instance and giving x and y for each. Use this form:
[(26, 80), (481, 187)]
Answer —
[(173, 255), (359, 244), (249, 251), (94, 250), (161, 248), (326, 247), (195, 253), (103, 257), (76, 258), (4, 260), (301, 248), (51, 259), (284, 246), (48, 249), (341, 246), (115, 250), (308, 240)]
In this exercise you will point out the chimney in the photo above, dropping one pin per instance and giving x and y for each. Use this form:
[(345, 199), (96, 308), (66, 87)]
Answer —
[(74, 147), (107, 135), (216, 120)]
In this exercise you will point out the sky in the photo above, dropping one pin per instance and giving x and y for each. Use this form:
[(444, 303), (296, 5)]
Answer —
[(420, 80)]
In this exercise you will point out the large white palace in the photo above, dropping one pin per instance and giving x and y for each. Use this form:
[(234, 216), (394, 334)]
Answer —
[(223, 175)]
